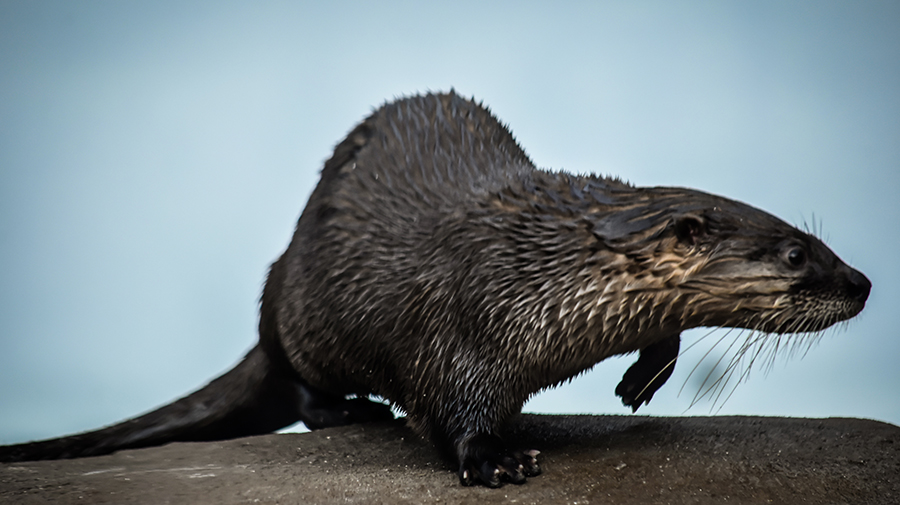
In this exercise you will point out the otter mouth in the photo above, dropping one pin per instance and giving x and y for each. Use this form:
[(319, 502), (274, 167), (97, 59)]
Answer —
[(760, 327), (766, 300), (793, 327), (802, 314)]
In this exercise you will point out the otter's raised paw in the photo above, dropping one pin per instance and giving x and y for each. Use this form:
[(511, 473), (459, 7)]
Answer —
[(490, 464), (649, 372)]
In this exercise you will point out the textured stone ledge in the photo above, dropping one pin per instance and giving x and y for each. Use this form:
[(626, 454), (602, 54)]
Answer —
[(585, 459)]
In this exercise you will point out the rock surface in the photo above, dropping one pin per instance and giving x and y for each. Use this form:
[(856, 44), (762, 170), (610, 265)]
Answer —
[(585, 459)]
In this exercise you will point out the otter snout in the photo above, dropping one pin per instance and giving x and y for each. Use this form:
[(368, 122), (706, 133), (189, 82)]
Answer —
[(857, 285)]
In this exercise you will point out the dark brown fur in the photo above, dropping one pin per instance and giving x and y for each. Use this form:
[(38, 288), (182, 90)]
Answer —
[(436, 267)]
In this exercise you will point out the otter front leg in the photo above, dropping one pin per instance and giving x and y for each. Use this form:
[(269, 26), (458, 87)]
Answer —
[(652, 369), (484, 458)]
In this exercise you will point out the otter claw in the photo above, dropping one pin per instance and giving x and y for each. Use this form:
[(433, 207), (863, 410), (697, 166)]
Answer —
[(488, 463)]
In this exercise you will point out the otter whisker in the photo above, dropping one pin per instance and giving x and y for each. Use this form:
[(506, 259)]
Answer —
[(705, 355), (715, 384), (688, 348), (658, 374), (753, 339), (798, 337), (734, 365), (757, 339), (772, 342)]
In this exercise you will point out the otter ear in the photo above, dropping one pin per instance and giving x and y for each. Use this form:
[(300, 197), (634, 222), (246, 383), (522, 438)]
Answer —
[(689, 228)]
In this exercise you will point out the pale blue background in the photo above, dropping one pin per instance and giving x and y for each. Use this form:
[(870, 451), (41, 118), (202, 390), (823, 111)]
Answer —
[(154, 157)]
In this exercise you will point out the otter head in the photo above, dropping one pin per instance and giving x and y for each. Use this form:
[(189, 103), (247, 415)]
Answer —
[(711, 261), (748, 269)]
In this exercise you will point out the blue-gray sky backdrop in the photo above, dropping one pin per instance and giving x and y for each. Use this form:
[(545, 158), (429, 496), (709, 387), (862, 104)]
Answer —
[(154, 157)]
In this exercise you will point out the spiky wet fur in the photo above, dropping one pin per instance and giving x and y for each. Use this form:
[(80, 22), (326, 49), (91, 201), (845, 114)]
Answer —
[(436, 267), (460, 279)]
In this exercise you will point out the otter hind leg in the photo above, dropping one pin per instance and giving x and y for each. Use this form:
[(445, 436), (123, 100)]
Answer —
[(485, 459), (316, 408), (652, 369), (319, 409)]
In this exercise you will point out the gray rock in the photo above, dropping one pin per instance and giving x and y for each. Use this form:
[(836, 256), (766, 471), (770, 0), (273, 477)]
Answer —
[(585, 459)]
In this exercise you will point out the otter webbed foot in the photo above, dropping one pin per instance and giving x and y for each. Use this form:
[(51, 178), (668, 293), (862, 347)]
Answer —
[(484, 459), (652, 369)]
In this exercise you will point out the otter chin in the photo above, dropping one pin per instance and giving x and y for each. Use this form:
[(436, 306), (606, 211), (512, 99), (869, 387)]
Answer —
[(436, 267)]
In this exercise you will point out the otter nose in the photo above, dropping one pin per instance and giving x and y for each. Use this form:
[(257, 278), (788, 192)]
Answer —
[(858, 286)]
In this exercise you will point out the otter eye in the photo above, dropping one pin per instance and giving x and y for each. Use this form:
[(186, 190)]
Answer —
[(796, 256)]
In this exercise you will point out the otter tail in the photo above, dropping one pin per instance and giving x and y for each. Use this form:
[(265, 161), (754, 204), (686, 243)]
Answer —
[(250, 399), (261, 394)]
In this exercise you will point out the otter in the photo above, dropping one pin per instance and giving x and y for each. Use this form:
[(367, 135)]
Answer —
[(437, 268)]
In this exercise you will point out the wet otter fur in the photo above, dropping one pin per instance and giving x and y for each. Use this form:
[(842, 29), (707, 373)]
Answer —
[(436, 267)]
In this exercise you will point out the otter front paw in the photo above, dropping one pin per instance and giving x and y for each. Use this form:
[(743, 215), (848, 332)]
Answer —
[(649, 372), (485, 460)]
